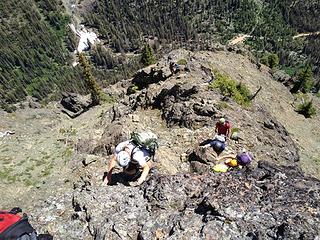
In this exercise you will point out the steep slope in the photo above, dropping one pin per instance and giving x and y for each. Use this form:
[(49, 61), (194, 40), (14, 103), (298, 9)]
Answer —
[(278, 101), (265, 201)]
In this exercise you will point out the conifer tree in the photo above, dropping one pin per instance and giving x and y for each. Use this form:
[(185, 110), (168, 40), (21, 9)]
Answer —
[(95, 89), (147, 57), (305, 80)]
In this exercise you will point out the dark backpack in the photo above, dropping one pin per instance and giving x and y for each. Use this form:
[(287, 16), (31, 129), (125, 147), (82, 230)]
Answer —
[(218, 146), (14, 227)]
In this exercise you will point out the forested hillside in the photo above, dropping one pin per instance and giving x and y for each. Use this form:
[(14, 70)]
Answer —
[(124, 23), (33, 56), (198, 24), (36, 41)]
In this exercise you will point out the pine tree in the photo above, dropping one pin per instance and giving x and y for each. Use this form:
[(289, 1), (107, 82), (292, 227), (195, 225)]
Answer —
[(95, 89), (147, 57), (305, 80)]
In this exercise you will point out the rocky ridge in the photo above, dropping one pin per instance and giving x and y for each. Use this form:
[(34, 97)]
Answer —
[(183, 199)]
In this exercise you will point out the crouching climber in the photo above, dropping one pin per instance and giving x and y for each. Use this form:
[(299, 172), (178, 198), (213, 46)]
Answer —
[(218, 144), (233, 161), (242, 158), (134, 155)]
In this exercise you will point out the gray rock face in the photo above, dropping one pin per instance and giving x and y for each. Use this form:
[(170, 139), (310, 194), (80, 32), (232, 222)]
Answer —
[(181, 105), (113, 134), (267, 202)]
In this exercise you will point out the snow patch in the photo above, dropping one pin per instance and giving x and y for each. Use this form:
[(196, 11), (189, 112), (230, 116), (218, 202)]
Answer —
[(86, 39)]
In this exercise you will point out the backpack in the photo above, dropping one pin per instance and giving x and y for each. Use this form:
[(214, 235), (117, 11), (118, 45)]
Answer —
[(244, 159), (14, 227), (145, 140), (218, 146)]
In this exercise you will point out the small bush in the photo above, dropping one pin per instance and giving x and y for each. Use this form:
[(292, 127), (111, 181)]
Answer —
[(132, 89), (8, 107), (182, 62), (108, 99), (234, 129), (271, 60), (230, 88), (307, 109)]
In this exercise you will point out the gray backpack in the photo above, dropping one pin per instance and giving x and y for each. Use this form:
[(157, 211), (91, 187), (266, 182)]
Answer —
[(146, 140)]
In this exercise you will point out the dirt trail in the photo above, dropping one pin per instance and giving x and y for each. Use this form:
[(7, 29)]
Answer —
[(306, 34), (239, 39)]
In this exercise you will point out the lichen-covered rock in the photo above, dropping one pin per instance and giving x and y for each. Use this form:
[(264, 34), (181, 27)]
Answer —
[(267, 202)]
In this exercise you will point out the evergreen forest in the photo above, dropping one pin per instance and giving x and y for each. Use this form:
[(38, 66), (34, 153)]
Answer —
[(37, 44)]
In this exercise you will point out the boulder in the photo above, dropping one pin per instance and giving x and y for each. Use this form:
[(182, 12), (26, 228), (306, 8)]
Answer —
[(147, 76), (74, 104), (181, 106), (283, 77), (113, 134)]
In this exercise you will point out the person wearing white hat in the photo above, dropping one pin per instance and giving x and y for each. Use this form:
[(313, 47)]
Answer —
[(131, 158)]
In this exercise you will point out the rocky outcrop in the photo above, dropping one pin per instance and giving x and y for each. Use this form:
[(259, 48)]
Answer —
[(73, 104), (181, 106), (268, 202), (112, 135), (147, 76), (283, 77)]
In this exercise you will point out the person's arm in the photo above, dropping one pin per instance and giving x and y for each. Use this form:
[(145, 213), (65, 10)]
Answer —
[(144, 174), (226, 156), (228, 133), (112, 164)]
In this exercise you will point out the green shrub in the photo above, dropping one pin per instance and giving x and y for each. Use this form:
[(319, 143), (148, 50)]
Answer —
[(230, 88), (271, 60), (234, 129), (182, 62), (108, 99), (307, 109)]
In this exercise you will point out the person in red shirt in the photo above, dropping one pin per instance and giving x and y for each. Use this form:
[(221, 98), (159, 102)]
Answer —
[(223, 127)]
